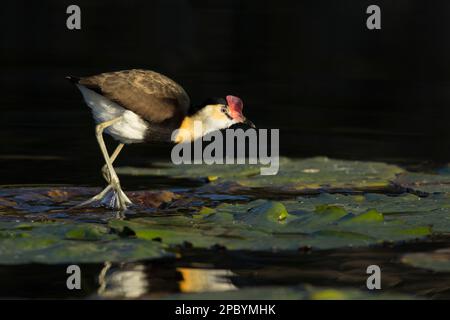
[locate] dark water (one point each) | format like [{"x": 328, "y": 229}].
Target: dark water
[
  {"x": 309, "y": 68},
  {"x": 200, "y": 271}
]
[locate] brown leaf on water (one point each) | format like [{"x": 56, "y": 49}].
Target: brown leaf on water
[
  {"x": 58, "y": 195},
  {"x": 152, "y": 199}
]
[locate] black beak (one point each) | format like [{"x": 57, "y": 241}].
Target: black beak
[{"x": 249, "y": 123}]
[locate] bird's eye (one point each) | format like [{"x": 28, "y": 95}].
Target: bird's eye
[{"x": 224, "y": 109}]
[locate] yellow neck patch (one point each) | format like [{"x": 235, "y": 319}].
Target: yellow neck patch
[{"x": 186, "y": 131}]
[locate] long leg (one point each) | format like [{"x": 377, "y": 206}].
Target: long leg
[
  {"x": 112, "y": 158},
  {"x": 116, "y": 152},
  {"x": 99, "y": 134},
  {"x": 122, "y": 199},
  {"x": 106, "y": 175},
  {"x": 119, "y": 198},
  {"x": 102, "y": 278}
]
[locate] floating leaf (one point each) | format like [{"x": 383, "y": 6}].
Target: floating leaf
[
  {"x": 204, "y": 211},
  {"x": 271, "y": 212},
  {"x": 90, "y": 232},
  {"x": 424, "y": 182},
  {"x": 270, "y": 225},
  {"x": 60, "y": 243},
  {"x": 51, "y": 251},
  {"x": 371, "y": 215},
  {"x": 203, "y": 219},
  {"x": 293, "y": 176}
]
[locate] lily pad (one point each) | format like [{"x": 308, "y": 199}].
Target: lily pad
[
  {"x": 321, "y": 220},
  {"x": 424, "y": 182},
  {"x": 48, "y": 251},
  {"x": 409, "y": 209},
  {"x": 389, "y": 205},
  {"x": 268, "y": 225},
  {"x": 53, "y": 243},
  {"x": 295, "y": 175}
]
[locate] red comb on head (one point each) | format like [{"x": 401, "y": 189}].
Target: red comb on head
[{"x": 235, "y": 103}]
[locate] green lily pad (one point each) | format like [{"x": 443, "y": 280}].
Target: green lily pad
[
  {"x": 325, "y": 221},
  {"x": 424, "y": 182},
  {"x": 58, "y": 230},
  {"x": 204, "y": 211},
  {"x": 88, "y": 232},
  {"x": 412, "y": 210},
  {"x": 269, "y": 225},
  {"x": 53, "y": 243},
  {"x": 371, "y": 215},
  {"x": 389, "y": 205},
  {"x": 322, "y": 221},
  {"x": 176, "y": 231},
  {"x": 324, "y": 173},
  {"x": 49, "y": 251},
  {"x": 211, "y": 172}
]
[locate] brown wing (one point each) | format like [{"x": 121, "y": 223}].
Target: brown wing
[{"x": 154, "y": 97}]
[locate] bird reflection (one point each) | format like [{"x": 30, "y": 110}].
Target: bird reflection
[
  {"x": 126, "y": 281},
  {"x": 201, "y": 280},
  {"x": 136, "y": 280}
]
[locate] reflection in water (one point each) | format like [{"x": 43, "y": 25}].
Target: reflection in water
[
  {"x": 128, "y": 281},
  {"x": 139, "y": 280},
  {"x": 201, "y": 280},
  {"x": 199, "y": 271}
]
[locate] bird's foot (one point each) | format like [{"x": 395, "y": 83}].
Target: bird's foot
[
  {"x": 111, "y": 197},
  {"x": 116, "y": 199}
]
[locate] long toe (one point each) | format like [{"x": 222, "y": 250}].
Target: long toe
[
  {"x": 116, "y": 199},
  {"x": 124, "y": 197},
  {"x": 95, "y": 201}
]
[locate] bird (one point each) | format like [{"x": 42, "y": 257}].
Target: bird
[{"x": 142, "y": 106}]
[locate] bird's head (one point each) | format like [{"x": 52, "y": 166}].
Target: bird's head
[
  {"x": 213, "y": 114},
  {"x": 219, "y": 113}
]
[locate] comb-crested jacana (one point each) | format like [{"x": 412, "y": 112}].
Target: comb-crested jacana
[{"x": 135, "y": 106}]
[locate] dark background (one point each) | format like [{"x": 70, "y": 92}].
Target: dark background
[{"x": 310, "y": 68}]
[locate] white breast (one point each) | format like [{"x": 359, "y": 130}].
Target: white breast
[{"x": 130, "y": 129}]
